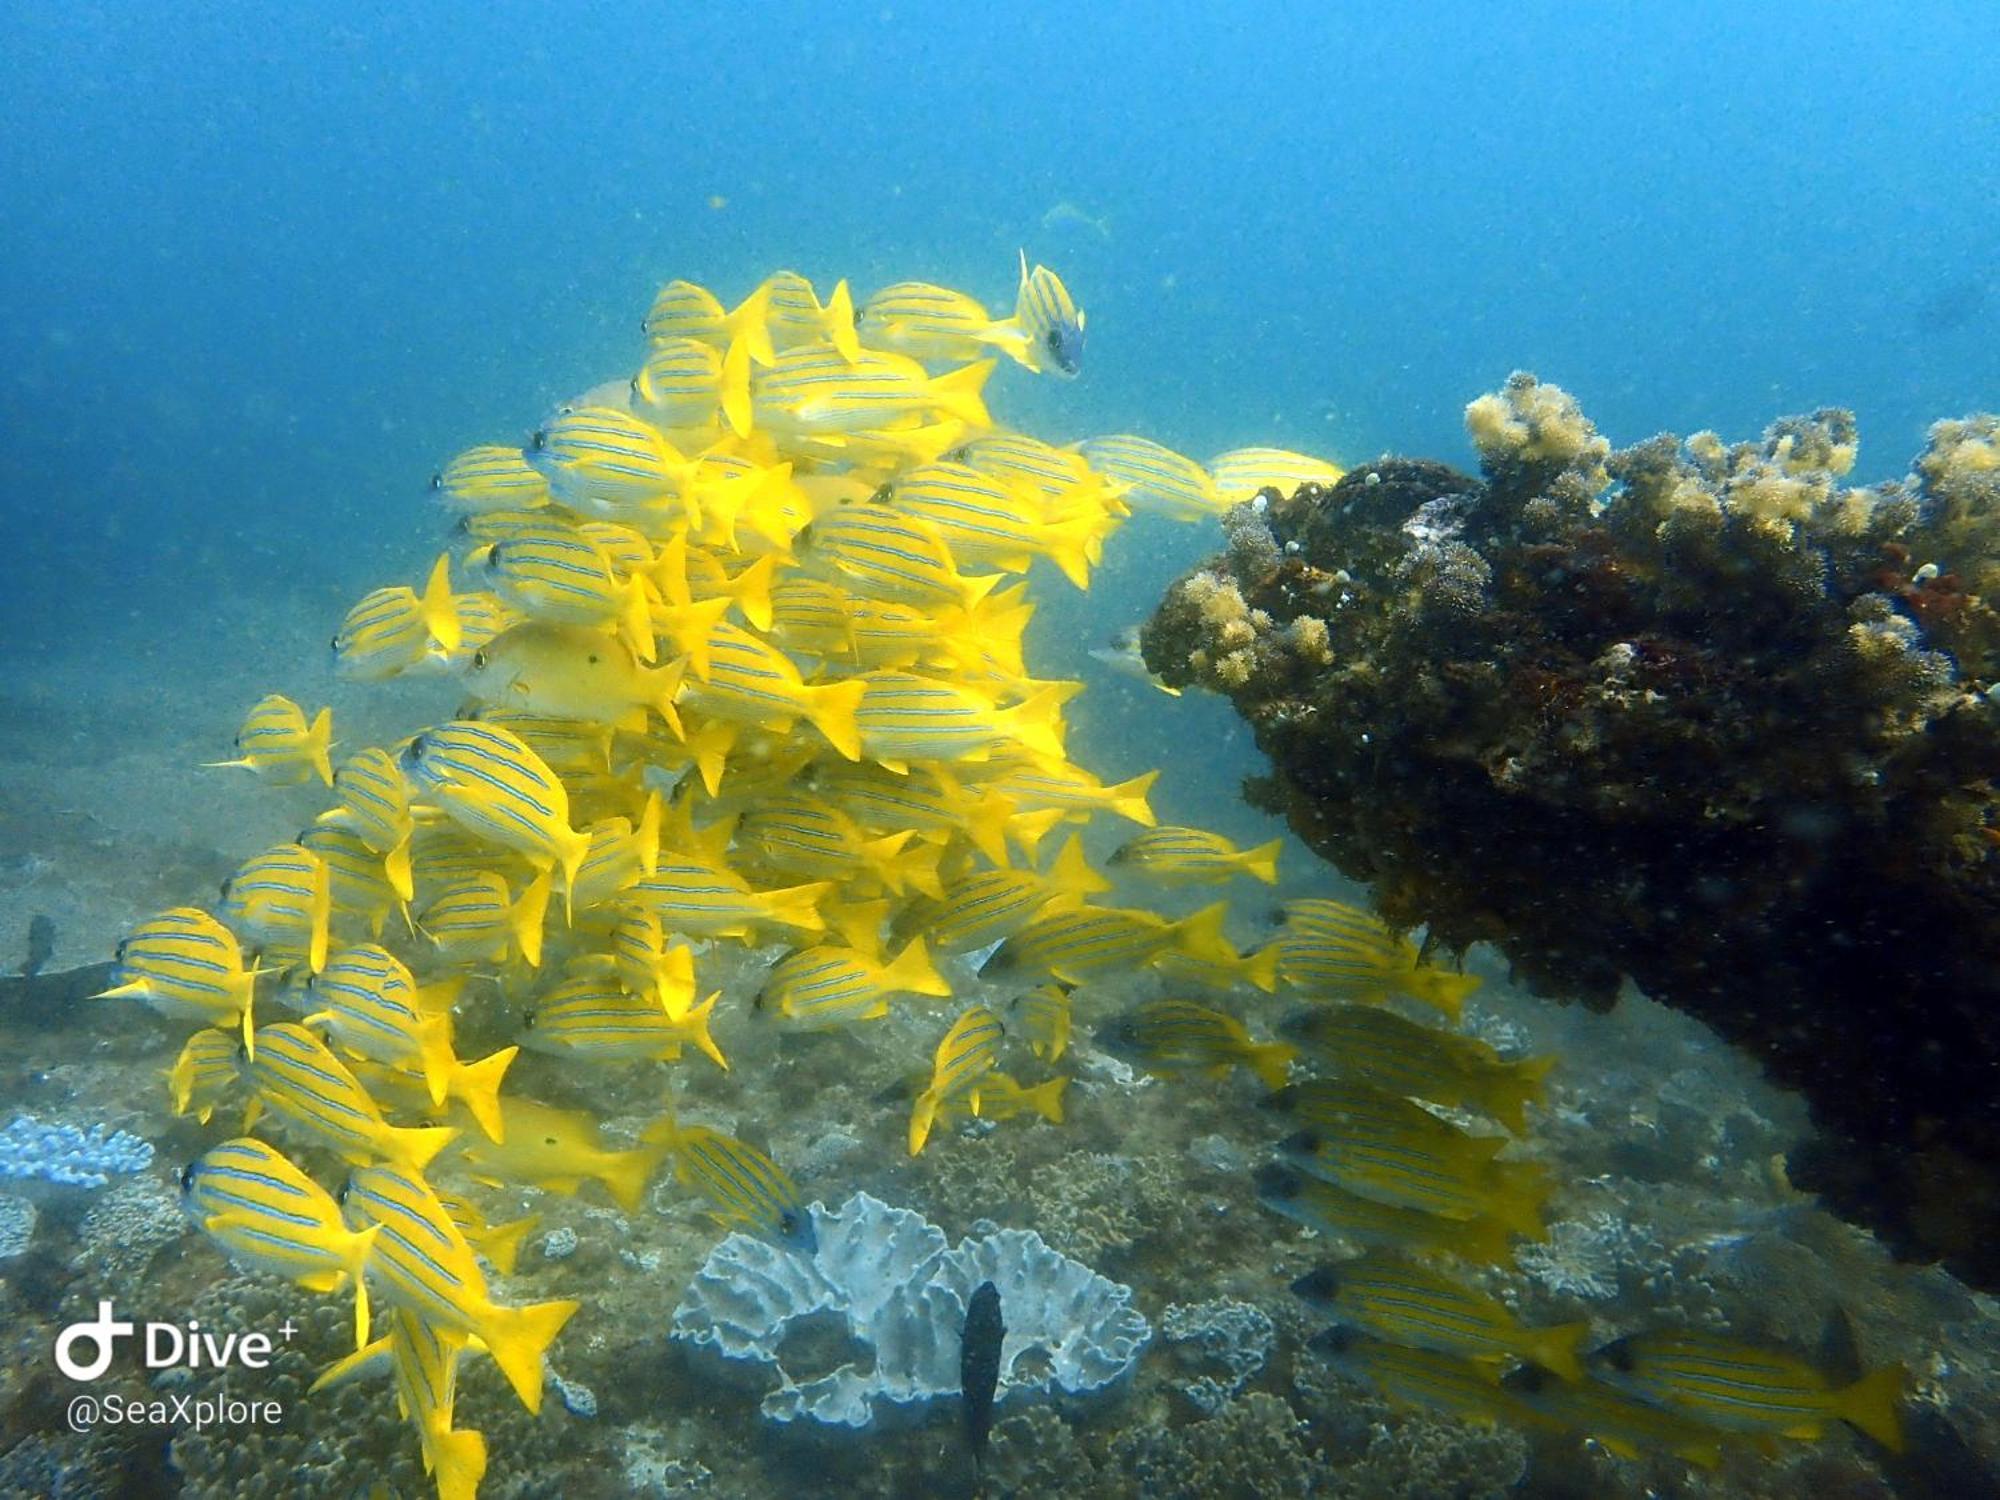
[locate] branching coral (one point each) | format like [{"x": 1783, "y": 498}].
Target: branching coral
[{"x": 1701, "y": 714}]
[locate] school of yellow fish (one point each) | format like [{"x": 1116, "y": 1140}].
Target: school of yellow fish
[{"x": 742, "y": 639}]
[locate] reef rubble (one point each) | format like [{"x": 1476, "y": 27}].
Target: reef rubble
[{"x": 1694, "y": 714}]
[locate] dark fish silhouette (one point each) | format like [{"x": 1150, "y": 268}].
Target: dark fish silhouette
[
  {"x": 979, "y": 1364},
  {"x": 41, "y": 944}
]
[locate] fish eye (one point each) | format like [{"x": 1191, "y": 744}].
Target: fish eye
[
  {"x": 539, "y": 441},
  {"x": 528, "y": 1021},
  {"x": 187, "y": 1177},
  {"x": 223, "y": 890},
  {"x": 479, "y": 661},
  {"x": 591, "y": 660},
  {"x": 437, "y": 481},
  {"x": 341, "y": 1196},
  {"x": 334, "y": 643}
]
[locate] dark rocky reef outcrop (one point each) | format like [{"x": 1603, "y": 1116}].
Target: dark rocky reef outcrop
[{"x": 1692, "y": 713}]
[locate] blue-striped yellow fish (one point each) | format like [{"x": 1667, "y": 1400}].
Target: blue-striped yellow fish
[
  {"x": 1147, "y": 476},
  {"x": 689, "y": 382},
  {"x": 1194, "y": 856},
  {"x": 745, "y": 1189},
  {"x": 1050, "y": 322},
  {"x": 382, "y": 636},
  {"x": 1456, "y": 1181},
  {"x": 1727, "y": 1383},
  {"x": 555, "y": 572},
  {"x": 477, "y": 920},
  {"x": 608, "y": 463},
  {"x": 423, "y": 1264},
  {"x": 1077, "y": 944},
  {"x": 357, "y": 879},
  {"x": 1002, "y": 1097},
  {"x": 934, "y": 323},
  {"x": 932, "y": 804},
  {"x": 986, "y": 906},
  {"x": 1345, "y": 1109},
  {"x": 1379, "y": 1047},
  {"x": 815, "y": 389},
  {"x": 884, "y": 553},
  {"x": 1329, "y": 948},
  {"x": 750, "y": 682},
  {"x": 650, "y": 965},
  {"x": 589, "y": 1016},
  {"x": 1242, "y": 474},
  {"x": 375, "y": 803},
  {"x": 403, "y": 1086},
  {"x": 984, "y": 521},
  {"x": 282, "y": 899},
  {"x": 1045, "y": 1020},
  {"x": 827, "y": 985},
  {"x": 1060, "y": 476},
  {"x": 1463, "y": 1389},
  {"x": 499, "y": 1245},
  {"x": 279, "y": 745},
  {"x": 421, "y": 1358},
  {"x": 700, "y": 898},
  {"x": 560, "y": 1150},
  {"x": 205, "y": 1073},
  {"x": 688, "y": 575},
  {"x": 801, "y": 834},
  {"x": 298, "y": 1079},
  {"x": 1370, "y": 1222},
  {"x": 966, "y": 1055},
  {"x": 1171, "y": 1036},
  {"x": 267, "y": 1214},
  {"x": 495, "y": 787},
  {"x": 1037, "y": 782},
  {"x": 683, "y": 310},
  {"x": 903, "y": 717},
  {"x": 1625, "y": 1426},
  {"x": 1411, "y": 1304},
  {"x": 785, "y": 313},
  {"x": 187, "y": 966},
  {"x": 490, "y": 477}
]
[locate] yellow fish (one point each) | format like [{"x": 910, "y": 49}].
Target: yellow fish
[
  {"x": 1078, "y": 944},
  {"x": 267, "y": 1214},
  {"x": 589, "y": 1016},
  {"x": 744, "y": 1187},
  {"x": 983, "y": 521},
  {"x": 934, "y": 323},
  {"x": 283, "y": 899},
  {"x": 304, "y": 1084},
  {"x": 1045, "y": 1020},
  {"x": 902, "y": 718},
  {"x": 830, "y": 986},
  {"x": 279, "y": 745},
  {"x": 1462, "y": 1181},
  {"x": 785, "y": 313},
  {"x": 982, "y": 908},
  {"x": 1463, "y": 1389},
  {"x": 1368, "y": 1221},
  {"x": 424, "y": 1265},
  {"x": 555, "y": 572},
  {"x": 1194, "y": 856},
  {"x": 572, "y": 672},
  {"x": 1378, "y": 1047},
  {"x": 187, "y": 966},
  {"x": 1148, "y": 477},
  {"x": 204, "y": 1074},
  {"x": 1242, "y": 474},
  {"x": 490, "y": 477},
  {"x": 375, "y": 803},
  {"x": 965, "y": 1056},
  {"x": 1050, "y": 323},
  {"x": 1330, "y": 948},
  {"x": 561, "y": 1150},
  {"x": 886, "y": 554},
  {"x": 1174, "y": 1035},
  {"x": 498, "y": 1244},
  {"x": 477, "y": 920},
  {"x": 751, "y": 683}
]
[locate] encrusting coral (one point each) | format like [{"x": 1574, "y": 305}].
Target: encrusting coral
[{"x": 1696, "y": 713}]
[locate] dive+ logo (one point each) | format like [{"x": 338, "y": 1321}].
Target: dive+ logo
[{"x": 165, "y": 1345}]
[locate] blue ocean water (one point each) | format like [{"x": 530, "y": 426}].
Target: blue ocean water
[{"x": 268, "y": 267}]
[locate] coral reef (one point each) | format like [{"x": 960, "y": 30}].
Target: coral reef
[
  {"x": 885, "y": 1278},
  {"x": 1234, "y": 1336},
  {"x": 68, "y": 1154},
  {"x": 1695, "y": 713}
]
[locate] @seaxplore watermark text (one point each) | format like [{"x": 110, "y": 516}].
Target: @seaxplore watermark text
[{"x": 87, "y": 1412}]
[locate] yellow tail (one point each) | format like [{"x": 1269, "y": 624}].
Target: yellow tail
[
  {"x": 526, "y": 916},
  {"x": 414, "y": 1146},
  {"x": 646, "y": 836},
  {"x": 957, "y": 393},
  {"x": 322, "y": 913},
  {"x": 1271, "y": 1062},
  {"x": 1555, "y": 1348},
  {"x": 517, "y": 1337},
  {"x": 1200, "y": 935},
  {"x": 751, "y": 589},
  {"x": 396, "y": 866},
  {"x": 1262, "y": 862},
  {"x": 1067, "y": 544},
  {"x": 1870, "y": 1404},
  {"x": 696, "y": 1024},
  {"x": 1128, "y": 799},
  {"x": 840, "y": 330},
  {"x": 736, "y": 387},
  {"x": 911, "y": 970},
  {"x": 319, "y": 746},
  {"x": 922, "y": 1115},
  {"x": 435, "y": 1057},
  {"x": 626, "y": 1173},
  {"x": 797, "y": 906},
  {"x": 831, "y": 708},
  {"x": 458, "y": 1463},
  {"x": 1037, "y": 723},
  {"x": 1071, "y": 873},
  {"x": 359, "y": 1246},
  {"x": 501, "y": 1244},
  {"x": 572, "y": 848},
  {"x": 437, "y": 607},
  {"x": 477, "y": 1086},
  {"x": 1046, "y": 1099},
  {"x": 985, "y": 823},
  {"x": 1441, "y": 989}
]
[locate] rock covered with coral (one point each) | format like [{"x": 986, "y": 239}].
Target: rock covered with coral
[
  {"x": 1696, "y": 713},
  {"x": 885, "y": 1275}
]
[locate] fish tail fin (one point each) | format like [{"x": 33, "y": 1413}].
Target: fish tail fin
[
  {"x": 1028, "y": 829},
  {"x": 912, "y": 970},
  {"x": 1068, "y": 545},
  {"x": 797, "y": 906},
  {"x": 526, "y": 916},
  {"x": 692, "y": 627},
  {"x": 1521, "y": 1087},
  {"x": 1261, "y": 967},
  {"x": 477, "y": 1085},
  {"x": 355, "y": 1259},
  {"x": 635, "y": 618},
  {"x": 1441, "y": 989},
  {"x": 1262, "y": 861},
  {"x": 831, "y": 708},
  {"x": 985, "y": 823},
  {"x": 1870, "y": 1404},
  {"x": 460, "y": 1463},
  {"x": 396, "y": 868},
  {"x": 923, "y": 1114},
  {"x": 839, "y": 320},
  {"x": 956, "y": 393},
  {"x": 434, "y": 1055},
  {"x": 696, "y": 1021},
  {"x": 1128, "y": 799},
  {"x": 626, "y": 1173},
  {"x": 1010, "y": 338},
  {"x": 1047, "y": 1098},
  {"x": 318, "y": 747},
  {"x": 1272, "y": 1063},
  {"x": 321, "y": 911},
  {"x": 1485, "y": 1241},
  {"x": 503, "y": 1242},
  {"x": 749, "y": 323},
  {"x": 1556, "y": 1348},
  {"x": 917, "y": 867},
  {"x": 517, "y": 1338},
  {"x": 438, "y": 608},
  {"x": 880, "y": 856},
  {"x": 1200, "y": 935},
  {"x": 1070, "y": 872},
  {"x": 646, "y": 834},
  {"x": 1519, "y": 1205},
  {"x": 415, "y": 1145},
  {"x": 1037, "y": 722},
  {"x": 369, "y": 1357},
  {"x": 572, "y": 848},
  {"x": 736, "y": 409},
  {"x": 751, "y": 589}
]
